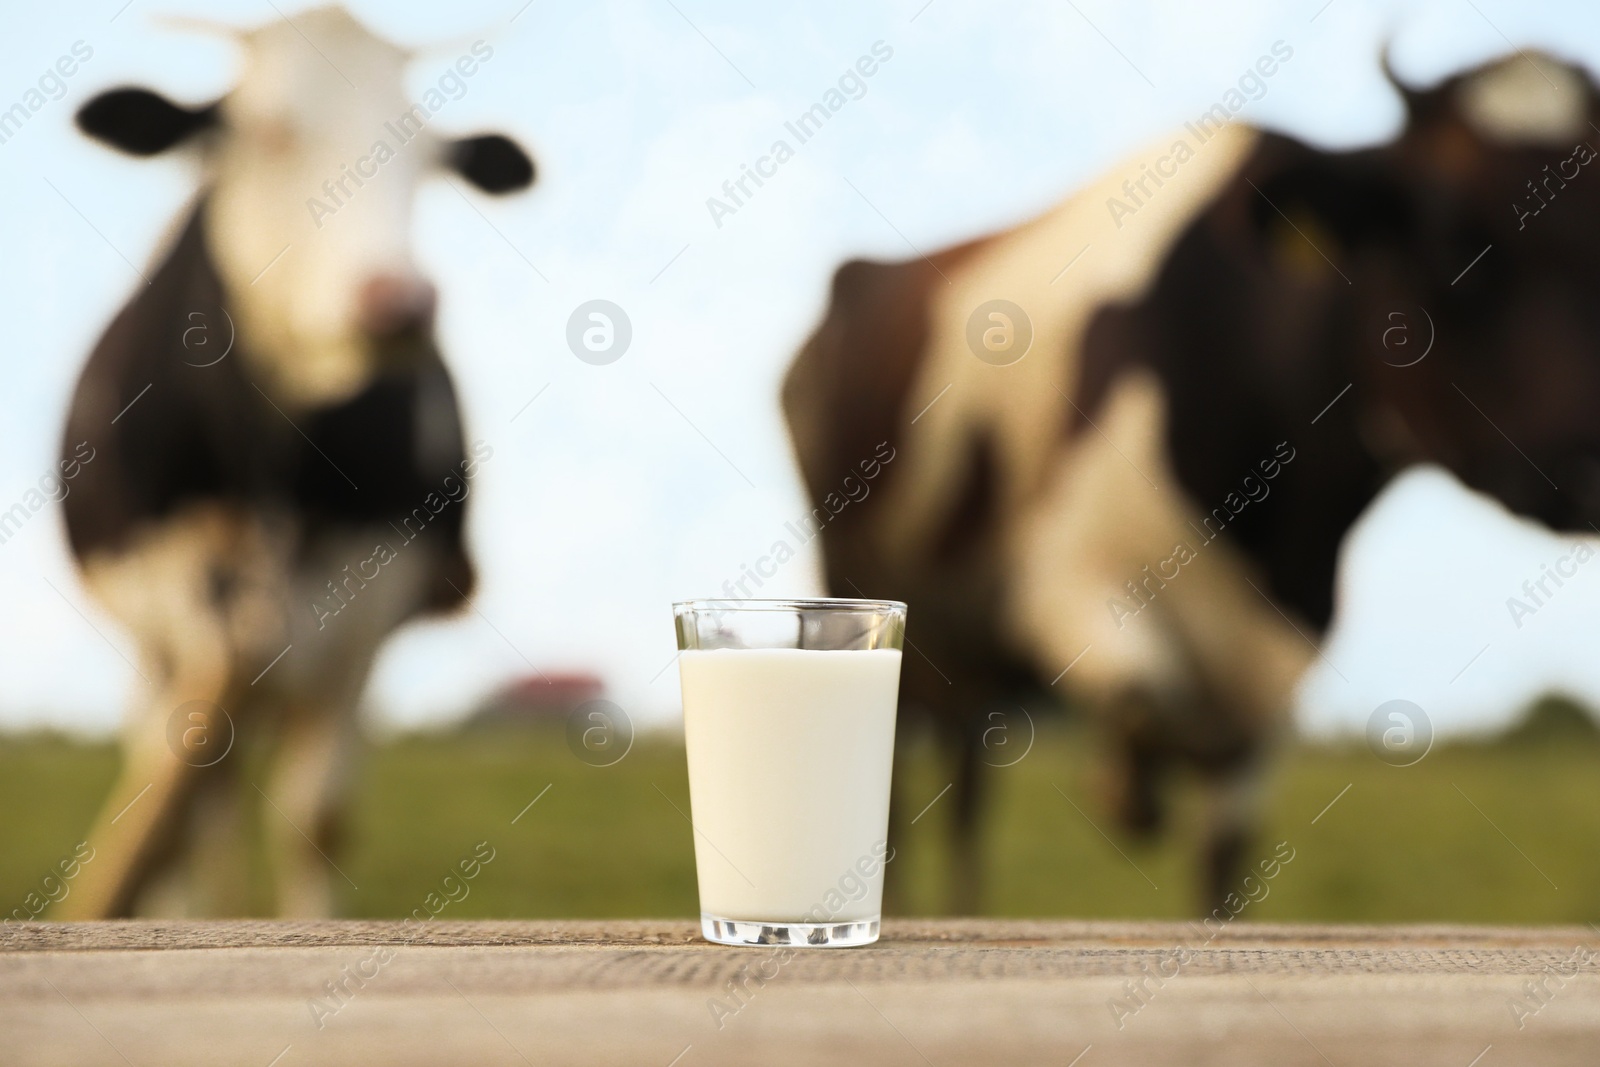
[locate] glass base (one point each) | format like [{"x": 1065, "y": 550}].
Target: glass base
[{"x": 801, "y": 935}]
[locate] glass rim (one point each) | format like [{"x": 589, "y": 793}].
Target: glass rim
[{"x": 794, "y": 604}]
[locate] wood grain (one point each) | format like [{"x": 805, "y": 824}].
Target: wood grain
[{"x": 935, "y": 992}]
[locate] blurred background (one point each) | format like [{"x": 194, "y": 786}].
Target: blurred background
[{"x": 615, "y": 489}]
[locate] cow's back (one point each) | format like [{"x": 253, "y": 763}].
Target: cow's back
[
  {"x": 1006, "y": 521},
  {"x": 1060, "y": 269}
]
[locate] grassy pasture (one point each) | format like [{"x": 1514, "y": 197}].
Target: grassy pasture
[{"x": 1503, "y": 832}]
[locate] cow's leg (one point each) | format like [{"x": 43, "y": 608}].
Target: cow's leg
[
  {"x": 896, "y": 900},
  {"x": 957, "y": 753},
  {"x": 321, "y": 682},
  {"x": 1137, "y": 762},
  {"x": 967, "y": 795},
  {"x": 174, "y": 589},
  {"x": 303, "y": 807},
  {"x": 1232, "y": 817},
  {"x": 218, "y": 860},
  {"x": 141, "y": 827}
]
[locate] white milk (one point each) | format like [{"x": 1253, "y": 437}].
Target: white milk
[{"x": 789, "y": 759}]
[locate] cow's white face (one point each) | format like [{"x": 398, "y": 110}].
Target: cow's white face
[
  {"x": 314, "y": 161},
  {"x": 292, "y": 137}
]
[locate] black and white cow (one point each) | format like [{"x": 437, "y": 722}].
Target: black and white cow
[
  {"x": 279, "y": 470},
  {"x": 1143, "y": 502}
]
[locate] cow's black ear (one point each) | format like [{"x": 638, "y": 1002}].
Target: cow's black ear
[
  {"x": 493, "y": 163},
  {"x": 140, "y": 122}
]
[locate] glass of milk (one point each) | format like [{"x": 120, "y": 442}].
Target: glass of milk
[{"x": 788, "y": 715}]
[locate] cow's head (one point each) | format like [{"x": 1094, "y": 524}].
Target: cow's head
[
  {"x": 1474, "y": 231},
  {"x": 313, "y": 161}
]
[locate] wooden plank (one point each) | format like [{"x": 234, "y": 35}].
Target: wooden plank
[{"x": 938, "y": 992}]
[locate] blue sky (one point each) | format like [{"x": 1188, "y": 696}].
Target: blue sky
[{"x": 626, "y": 486}]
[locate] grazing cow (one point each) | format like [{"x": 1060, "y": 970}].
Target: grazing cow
[
  {"x": 278, "y": 472},
  {"x": 1225, "y": 349}
]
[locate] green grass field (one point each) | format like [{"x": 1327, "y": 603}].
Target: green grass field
[{"x": 1480, "y": 833}]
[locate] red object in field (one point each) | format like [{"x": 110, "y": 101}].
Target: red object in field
[{"x": 540, "y": 697}]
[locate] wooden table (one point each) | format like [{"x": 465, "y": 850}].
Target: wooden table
[{"x": 940, "y": 993}]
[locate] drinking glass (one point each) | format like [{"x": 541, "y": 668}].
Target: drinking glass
[{"x": 788, "y": 714}]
